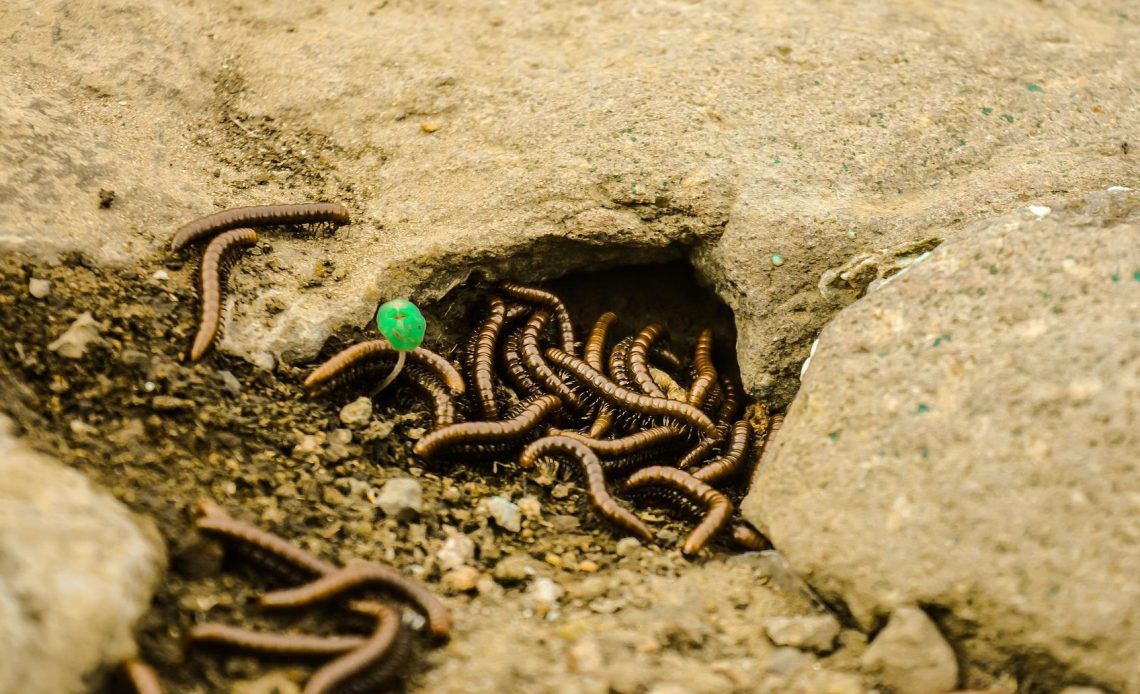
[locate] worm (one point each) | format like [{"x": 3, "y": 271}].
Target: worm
[
  {"x": 623, "y": 397},
  {"x": 271, "y": 643},
  {"x": 345, "y": 365},
  {"x": 590, "y": 469},
  {"x": 550, "y": 301},
  {"x": 733, "y": 460},
  {"x": 257, "y": 216},
  {"x": 706, "y": 372},
  {"x": 142, "y": 677},
  {"x": 337, "y": 675},
  {"x": 532, "y": 358},
  {"x": 516, "y": 370},
  {"x": 439, "y": 397},
  {"x": 481, "y": 359},
  {"x": 748, "y": 538},
  {"x": 533, "y": 412},
  {"x": 626, "y": 445},
  {"x": 717, "y": 506},
  {"x": 638, "y": 358},
  {"x": 596, "y": 343},
  {"x": 349, "y": 578},
  {"x": 215, "y": 261}
]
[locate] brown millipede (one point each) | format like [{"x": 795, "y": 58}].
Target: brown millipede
[
  {"x": 706, "y": 372},
  {"x": 595, "y": 346},
  {"x": 528, "y": 418},
  {"x": 700, "y": 451},
  {"x": 340, "y": 674},
  {"x": 265, "y": 548},
  {"x": 549, "y": 300},
  {"x": 638, "y": 402},
  {"x": 343, "y": 366},
  {"x": 538, "y": 368},
  {"x": 439, "y": 397},
  {"x": 590, "y": 470},
  {"x": 603, "y": 421},
  {"x": 748, "y": 538},
  {"x": 257, "y": 216},
  {"x": 516, "y": 370},
  {"x": 638, "y": 359},
  {"x": 732, "y": 461},
  {"x": 272, "y": 643},
  {"x": 717, "y": 506},
  {"x": 481, "y": 359},
  {"x": 343, "y": 580},
  {"x": 626, "y": 445},
  {"x": 212, "y": 272},
  {"x": 142, "y": 677}
]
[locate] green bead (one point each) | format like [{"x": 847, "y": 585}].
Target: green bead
[{"x": 402, "y": 323}]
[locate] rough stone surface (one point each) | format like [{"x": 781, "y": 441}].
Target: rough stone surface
[
  {"x": 815, "y": 633},
  {"x": 74, "y": 341},
  {"x": 357, "y": 413},
  {"x": 966, "y": 438},
  {"x": 910, "y": 656},
  {"x": 76, "y": 573},
  {"x": 565, "y": 136},
  {"x": 505, "y": 513},
  {"x": 401, "y": 498}
]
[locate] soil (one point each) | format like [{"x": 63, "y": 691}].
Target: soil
[{"x": 161, "y": 434}]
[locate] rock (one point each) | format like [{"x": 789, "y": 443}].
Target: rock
[
  {"x": 910, "y": 656},
  {"x": 169, "y": 403},
  {"x": 513, "y": 569},
  {"x": 401, "y": 498},
  {"x": 530, "y": 507},
  {"x": 505, "y": 513},
  {"x": 974, "y": 426},
  {"x": 39, "y": 289},
  {"x": 586, "y": 656},
  {"x": 357, "y": 413},
  {"x": 814, "y": 633},
  {"x": 785, "y": 661},
  {"x": 457, "y": 550},
  {"x": 73, "y": 343},
  {"x": 77, "y": 573},
  {"x": 543, "y": 595},
  {"x": 461, "y": 579},
  {"x": 627, "y": 546}
]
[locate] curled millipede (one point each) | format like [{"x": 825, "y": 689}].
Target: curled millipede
[
  {"x": 619, "y": 365},
  {"x": 516, "y": 370},
  {"x": 638, "y": 358},
  {"x": 257, "y": 216},
  {"x": 537, "y": 366},
  {"x": 700, "y": 451},
  {"x": 706, "y": 372},
  {"x": 215, "y": 260},
  {"x": 626, "y": 445},
  {"x": 590, "y": 470},
  {"x": 481, "y": 360},
  {"x": 622, "y": 397},
  {"x": 551, "y": 302},
  {"x": 748, "y": 538},
  {"x": 733, "y": 460},
  {"x": 717, "y": 506},
  {"x": 508, "y": 430},
  {"x": 272, "y": 643},
  {"x": 440, "y": 398},
  {"x": 340, "y": 674},
  {"x": 347, "y": 364},
  {"x": 343, "y": 580},
  {"x": 595, "y": 346},
  {"x": 378, "y": 672}
]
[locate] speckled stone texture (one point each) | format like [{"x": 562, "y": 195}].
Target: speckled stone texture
[
  {"x": 76, "y": 572},
  {"x": 966, "y": 439}
]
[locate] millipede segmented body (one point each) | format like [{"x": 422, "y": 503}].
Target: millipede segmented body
[
  {"x": 347, "y": 364},
  {"x": 706, "y": 372},
  {"x": 271, "y": 643},
  {"x": 537, "y": 367},
  {"x": 257, "y": 216},
  {"x": 215, "y": 261},
  {"x": 717, "y": 506},
  {"x": 551, "y": 302},
  {"x": 733, "y": 461},
  {"x": 594, "y": 350},
  {"x": 638, "y": 359},
  {"x": 629, "y": 444},
  {"x": 516, "y": 372},
  {"x": 341, "y": 581},
  {"x": 589, "y": 468},
  {"x": 638, "y": 402},
  {"x": 505, "y": 431},
  {"x": 437, "y": 395},
  {"x": 142, "y": 677},
  {"x": 339, "y": 674},
  {"x": 481, "y": 359},
  {"x": 748, "y": 538}
]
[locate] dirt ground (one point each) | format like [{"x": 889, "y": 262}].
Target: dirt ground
[{"x": 161, "y": 434}]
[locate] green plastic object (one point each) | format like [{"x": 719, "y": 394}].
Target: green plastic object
[{"x": 402, "y": 323}]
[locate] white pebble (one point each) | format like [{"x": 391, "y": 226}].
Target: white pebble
[
  {"x": 39, "y": 288},
  {"x": 83, "y": 332},
  {"x": 457, "y": 550},
  {"x": 505, "y": 513},
  {"x": 627, "y": 546},
  {"x": 401, "y": 498},
  {"x": 357, "y": 413}
]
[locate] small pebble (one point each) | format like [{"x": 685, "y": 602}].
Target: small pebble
[
  {"x": 357, "y": 413},
  {"x": 505, "y": 513},
  {"x": 169, "y": 403},
  {"x": 230, "y": 382},
  {"x": 813, "y": 633},
  {"x": 457, "y": 550},
  {"x": 401, "y": 498},
  {"x": 530, "y": 507},
  {"x": 588, "y": 567},
  {"x": 586, "y": 657},
  {"x": 560, "y": 491},
  {"x": 627, "y": 546},
  {"x": 73, "y": 343},
  {"x": 429, "y": 126},
  {"x": 39, "y": 288},
  {"x": 513, "y": 569},
  {"x": 784, "y": 661},
  {"x": 461, "y": 579},
  {"x": 161, "y": 275}
]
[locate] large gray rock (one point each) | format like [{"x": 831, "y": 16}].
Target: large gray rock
[
  {"x": 966, "y": 439},
  {"x": 76, "y": 572},
  {"x": 532, "y": 141}
]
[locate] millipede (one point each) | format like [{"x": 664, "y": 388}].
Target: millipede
[
  {"x": 732, "y": 461},
  {"x": 706, "y": 371},
  {"x": 348, "y": 364},
  {"x": 257, "y": 216},
  {"x": 341, "y": 675},
  {"x": 537, "y": 366},
  {"x": 215, "y": 262},
  {"x": 594, "y": 349},
  {"x": 505, "y": 431},
  {"x": 718, "y": 508},
  {"x": 516, "y": 371},
  {"x": 626, "y": 445},
  {"x": 549, "y": 300},
  {"x": 638, "y": 359},
  {"x": 481, "y": 358},
  {"x": 271, "y": 643}
]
